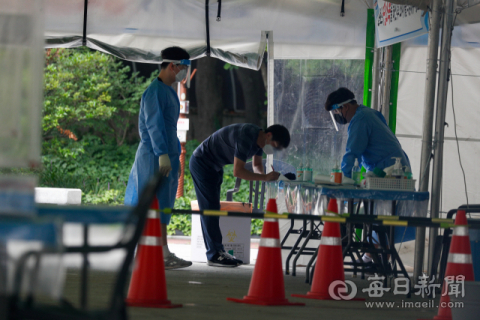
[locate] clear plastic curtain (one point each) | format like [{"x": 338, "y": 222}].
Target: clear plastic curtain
[
  {"x": 301, "y": 89},
  {"x": 21, "y": 42}
]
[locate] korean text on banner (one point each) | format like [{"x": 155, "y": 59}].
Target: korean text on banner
[{"x": 397, "y": 23}]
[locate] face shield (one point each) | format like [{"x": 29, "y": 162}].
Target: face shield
[
  {"x": 336, "y": 107},
  {"x": 184, "y": 62}
]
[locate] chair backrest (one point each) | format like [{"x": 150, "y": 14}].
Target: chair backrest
[{"x": 257, "y": 190}]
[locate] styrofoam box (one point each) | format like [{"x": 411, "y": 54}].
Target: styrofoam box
[{"x": 236, "y": 238}]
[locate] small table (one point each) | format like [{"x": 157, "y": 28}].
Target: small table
[{"x": 307, "y": 198}]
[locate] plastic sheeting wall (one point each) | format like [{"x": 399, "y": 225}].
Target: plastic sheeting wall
[
  {"x": 21, "y": 56},
  {"x": 466, "y": 96},
  {"x": 301, "y": 88}
]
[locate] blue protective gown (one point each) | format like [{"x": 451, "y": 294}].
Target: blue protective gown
[
  {"x": 157, "y": 124},
  {"x": 371, "y": 141}
]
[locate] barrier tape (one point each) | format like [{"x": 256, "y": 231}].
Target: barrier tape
[{"x": 345, "y": 218}]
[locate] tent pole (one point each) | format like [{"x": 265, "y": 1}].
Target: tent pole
[
  {"x": 369, "y": 58},
  {"x": 375, "y": 77},
  {"x": 387, "y": 81},
  {"x": 85, "y": 15},
  {"x": 429, "y": 107},
  {"x": 270, "y": 96},
  {"x": 442, "y": 95},
  {"x": 395, "y": 76}
]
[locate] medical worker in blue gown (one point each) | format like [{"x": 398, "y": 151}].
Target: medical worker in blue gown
[
  {"x": 370, "y": 140},
  {"x": 159, "y": 148}
]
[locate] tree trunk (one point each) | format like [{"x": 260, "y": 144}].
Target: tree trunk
[
  {"x": 208, "y": 91},
  {"x": 253, "y": 94}
]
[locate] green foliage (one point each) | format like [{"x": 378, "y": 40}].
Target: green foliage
[
  {"x": 228, "y": 66},
  {"x": 94, "y": 97},
  {"x": 87, "y": 91},
  {"x": 182, "y": 223}
]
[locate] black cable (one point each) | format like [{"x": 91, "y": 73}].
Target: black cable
[
  {"x": 342, "y": 11},
  {"x": 207, "y": 25},
  {"x": 455, "y": 130},
  {"x": 219, "y": 11},
  {"x": 85, "y": 10}
]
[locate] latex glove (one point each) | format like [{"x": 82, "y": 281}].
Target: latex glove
[{"x": 164, "y": 164}]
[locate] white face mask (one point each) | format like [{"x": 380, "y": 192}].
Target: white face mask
[
  {"x": 268, "y": 149},
  {"x": 181, "y": 75}
]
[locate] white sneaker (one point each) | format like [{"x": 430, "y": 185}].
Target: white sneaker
[{"x": 174, "y": 262}]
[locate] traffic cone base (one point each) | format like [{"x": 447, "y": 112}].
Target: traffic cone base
[
  {"x": 267, "y": 287},
  {"x": 166, "y": 304},
  {"x": 266, "y": 302},
  {"x": 311, "y": 295},
  {"x": 148, "y": 287}
]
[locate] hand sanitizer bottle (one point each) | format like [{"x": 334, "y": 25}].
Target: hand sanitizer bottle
[
  {"x": 397, "y": 169},
  {"x": 300, "y": 172},
  {"x": 356, "y": 174},
  {"x": 408, "y": 173},
  {"x": 307, "y": 173}
]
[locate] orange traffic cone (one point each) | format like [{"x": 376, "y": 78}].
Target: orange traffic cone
[
  {"x": 329, "y": 266},
  {"x": 148, "y": 287},
  {"x": 267, "y": 287},
  {"x": 459, "y": 263}
]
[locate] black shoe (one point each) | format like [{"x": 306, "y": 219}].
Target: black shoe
[
  {"x": 239, "y": 262},
  {"x": 222, "y": 259}
]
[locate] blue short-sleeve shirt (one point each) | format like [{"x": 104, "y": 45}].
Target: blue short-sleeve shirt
[{"x": 233, "y": 141}]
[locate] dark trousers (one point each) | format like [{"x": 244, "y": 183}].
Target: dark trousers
[{"x": 207, "y": 182}]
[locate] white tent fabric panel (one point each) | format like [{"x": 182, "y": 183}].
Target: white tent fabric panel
[
  {"x": 138, "y": 30},
  {"x": 466, "y": 93},
  {"x": 63, "y": 23}
]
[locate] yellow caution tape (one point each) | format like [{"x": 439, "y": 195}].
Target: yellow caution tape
[
  {"x": 395, "y": 223},
  {"x": 275, "y": 216},
  {"x": 166, "y": 210},
  {"x": 333, "y": 219},
  {"x": 447, "y": 225},
  {"x": 215, "y": 213},
  {"x": 441, "y": 220},
  {"x": 382, "y": 217}
]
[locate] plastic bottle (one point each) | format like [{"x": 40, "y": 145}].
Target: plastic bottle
[
  {"x": 408, "y": 173},
  {"x": 307, "y": 173},
  {"x": 356, "y": 174},
  {"x": 397, "y": 169},
  {"x": 300, "y": 172},
  {"x": 336, "y": 174}
]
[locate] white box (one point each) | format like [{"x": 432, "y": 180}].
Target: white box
[
  {"x": 183, "y": 124},
  {"x": 235, "y": 238},
  {"x": 58, "y": 195},
  {"x": 182, "y": 135}
]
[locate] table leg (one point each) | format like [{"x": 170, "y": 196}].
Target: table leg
[
  {"x": 309, "y": 235},
  {"x": 295, "y": 246}
]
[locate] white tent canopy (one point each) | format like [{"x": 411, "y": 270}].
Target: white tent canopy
[{"x": 137, "y": 30}]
